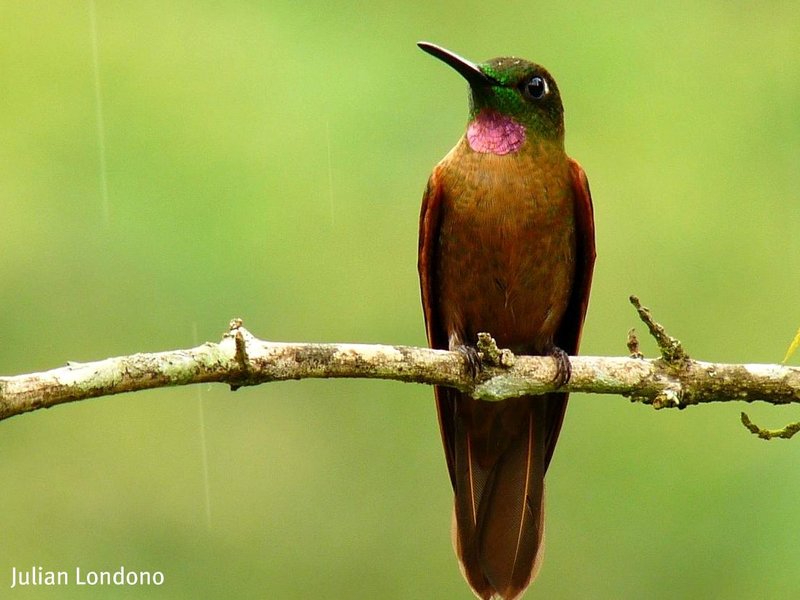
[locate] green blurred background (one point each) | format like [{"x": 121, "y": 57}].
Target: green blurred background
[{"x": 267, "y": 160}]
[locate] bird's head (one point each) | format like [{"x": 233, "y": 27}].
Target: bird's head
[{"x": 510, "y": 88}]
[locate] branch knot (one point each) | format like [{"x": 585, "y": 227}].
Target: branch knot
[
  {"x": 491, "y": 355},
  {"x": 238, "y": 332}
]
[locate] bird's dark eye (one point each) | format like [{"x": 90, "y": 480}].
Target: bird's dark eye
[{"x": 536, "y": 88}]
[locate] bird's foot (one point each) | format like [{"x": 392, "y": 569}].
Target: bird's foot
[
  {"x": 471, "y": 358},
  {"x": 563, "y": 366}
]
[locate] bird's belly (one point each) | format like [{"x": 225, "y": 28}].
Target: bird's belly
[{"x": 506, "y": 267}]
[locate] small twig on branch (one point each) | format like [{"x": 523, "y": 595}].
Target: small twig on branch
[
  {"x": 240, "y": 359},
  {"x": 769, "y": 434},
  {"x": 490, "y": 354},
  {"x": 672, "y": 351},
  {"x": 240, "y": 355},
  {"x": 633, "y": 344}
]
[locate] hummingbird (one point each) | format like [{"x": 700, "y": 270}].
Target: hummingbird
[{"x": 506, "y": 246}]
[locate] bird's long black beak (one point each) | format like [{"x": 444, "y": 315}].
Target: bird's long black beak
[{"x": 468, "y": 69}]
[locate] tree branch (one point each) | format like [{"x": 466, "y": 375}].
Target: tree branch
[{"x": 240, "y": 359}]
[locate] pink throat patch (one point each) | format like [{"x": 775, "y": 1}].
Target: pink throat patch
[{"x": 491, "y": 132}]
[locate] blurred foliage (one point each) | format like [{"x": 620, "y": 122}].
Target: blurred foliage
[{"x": 267, "y": 160}]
